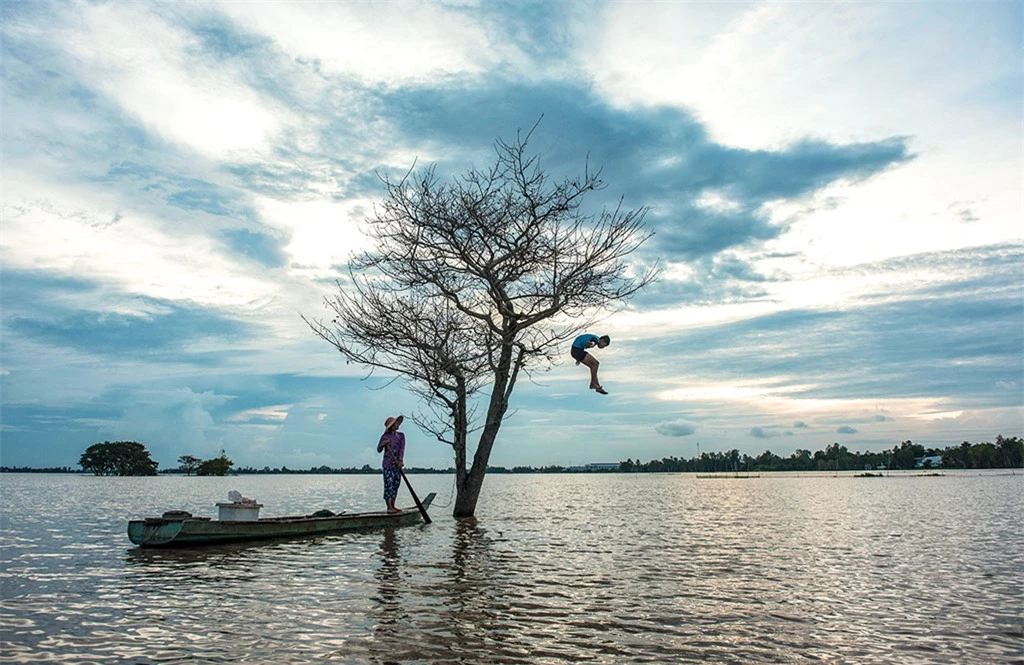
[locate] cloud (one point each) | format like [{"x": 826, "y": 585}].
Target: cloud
[
  {"x": 124, "y": 335},
  {"x": 768, "y": 432},
  {"x": 741, "y": 66},
  {"x": 152, "y": 73},
  {"x": 661, "y": 158},
  {"x": 263, "y": 248},
  {"x": 178, "y": 192},
  {"x": 675, "y": 428},
  {"x": 846, "y": 429},
  {"x": 913, "y": 332},
  {"x": 375, "y": 43}
]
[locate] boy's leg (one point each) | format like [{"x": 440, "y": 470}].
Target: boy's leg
[{"x": 591, "y": 362}]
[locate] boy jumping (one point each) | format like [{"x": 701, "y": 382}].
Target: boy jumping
[{"x": 580, "y": 355}]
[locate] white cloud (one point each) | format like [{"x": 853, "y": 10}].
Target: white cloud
[
  {"x": 903, "y": 212},
  {"x": 144, "y": 64},
  {"x": 274, "y": 413},
  {"x": 321, "y": 232},
  {"x": 764, "y": 75},
  {"x": 719, "y": 391},
  {"x": 394, "y": 43},
  {"x": 776, "y": 401},
  {"x": 81, "y": 234},
  {"x": 174, "y": 420},
  {"x": 717, "y": 201}
]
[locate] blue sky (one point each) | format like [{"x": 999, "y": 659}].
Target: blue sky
[{"x": 835, "y": 190}]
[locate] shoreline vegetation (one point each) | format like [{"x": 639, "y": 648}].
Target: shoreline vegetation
[{"x": 1005, "y": 453}]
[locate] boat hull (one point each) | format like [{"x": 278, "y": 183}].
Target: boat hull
[{"x": 193, "y": 531}]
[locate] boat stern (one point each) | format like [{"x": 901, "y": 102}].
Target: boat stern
[{"x": 154, "y": 530}]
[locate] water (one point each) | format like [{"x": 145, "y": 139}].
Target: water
[{"x": 556, "y": 568}]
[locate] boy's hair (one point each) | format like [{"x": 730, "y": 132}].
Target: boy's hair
[{"x": 606, "y": 339}]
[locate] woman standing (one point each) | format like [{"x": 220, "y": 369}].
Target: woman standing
[{"x": 392, "y": 443}]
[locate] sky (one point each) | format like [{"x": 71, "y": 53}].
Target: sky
[{"x": 834, "y": 188}]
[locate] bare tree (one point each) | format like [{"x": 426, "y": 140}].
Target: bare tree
[{"x": 477, "y": 281}]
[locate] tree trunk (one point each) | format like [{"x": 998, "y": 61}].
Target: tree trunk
[
  {"x": 469, "y": 484},
  {"x": 467, "y": 494}
]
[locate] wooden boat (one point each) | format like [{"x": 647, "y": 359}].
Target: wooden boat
[{"x": 181, "y": 529}]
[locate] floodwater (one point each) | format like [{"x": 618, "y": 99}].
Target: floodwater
[{"x": 644, "y": 568}]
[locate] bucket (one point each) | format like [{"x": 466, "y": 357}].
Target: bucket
[{"x": 238, "y": 512}]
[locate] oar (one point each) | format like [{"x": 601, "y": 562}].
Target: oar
[{"x": 423, "y": 511}]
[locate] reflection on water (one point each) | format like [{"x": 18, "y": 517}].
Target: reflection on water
[
  {"x": 605, "y": 569},
  {"x": 455, "y": 604}
]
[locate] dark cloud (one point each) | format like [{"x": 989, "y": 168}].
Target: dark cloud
[
  {"x": 676, "y": 428},
  {"x": 959, "y": 338},
  {"x": 172, "y": 194},
  {"x": 846, "y": 429},
  {"x": 539, "y": 29},
  {"x": 26, "y": 288},
  {"x": 165, "y": 330},
  {"x": 967, "y": 216},
  {"x": 198, "y": 195},
  {"x": 732, "y": 267},
  {"x": 724, "y": 278},
  {"x": 660, "y": 158},
  {"x": 262, "y": 248},
  {"x": 220, "y": 39},
  {"x": 768, "y": 432},
  {"x": 804, "y": 167},
  {"x": 123, "y": 335},
  {"x": 284, "y": 181},
  {"x": 686, "y": 232}
]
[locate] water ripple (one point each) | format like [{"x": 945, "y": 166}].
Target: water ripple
[{"x": 557, "y": 569}]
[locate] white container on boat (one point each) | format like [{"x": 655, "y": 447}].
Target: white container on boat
[{"x": 237, "y": 511}]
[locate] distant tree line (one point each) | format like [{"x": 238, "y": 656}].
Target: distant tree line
[
  {"x": 1005, "y": 453},
  {"x": 130, "y": 458}
]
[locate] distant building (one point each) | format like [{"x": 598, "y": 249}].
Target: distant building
[
  {"x": 603, "y": 466},
  {"x": 928, "y": 462}
]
